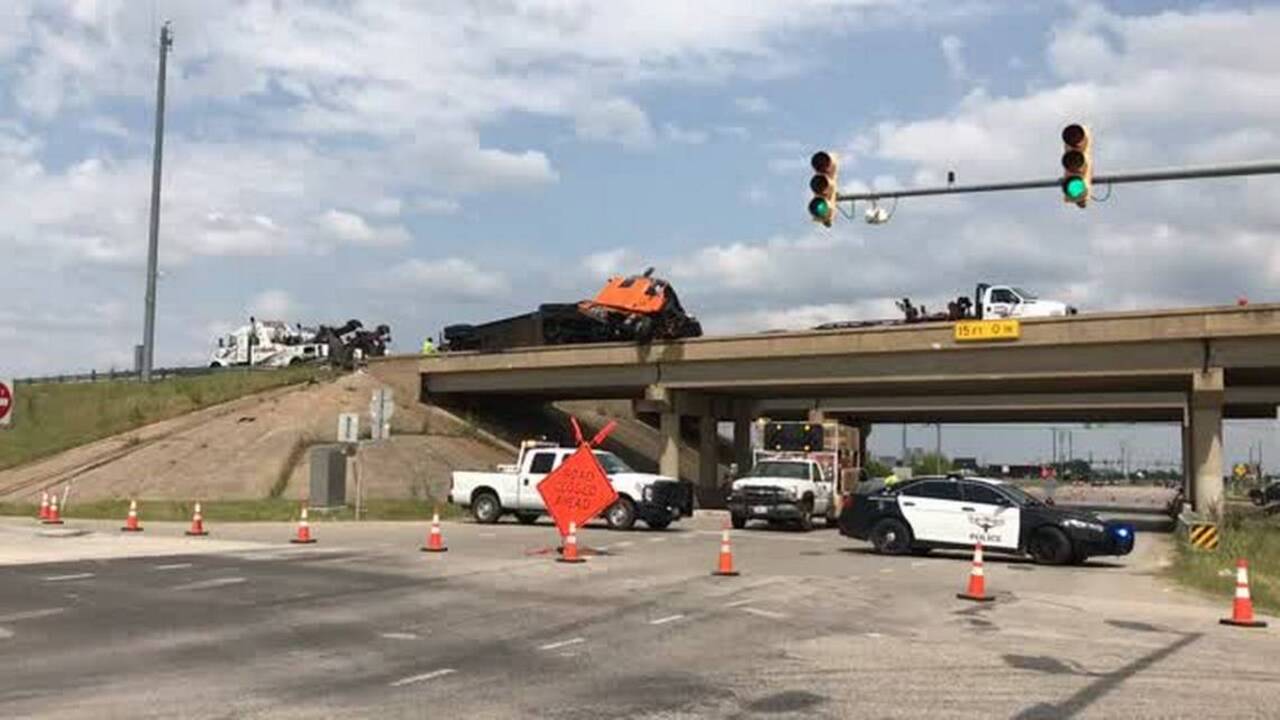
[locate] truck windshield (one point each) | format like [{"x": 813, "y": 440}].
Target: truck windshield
[
  {"x": 790, "y": 470},
  {"x": 612, "y": 464},
  {"x": 1024, "y": 294}
]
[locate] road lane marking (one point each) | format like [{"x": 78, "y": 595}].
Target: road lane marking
[
  {"x": 207, "y": 584},
  {"x": 665, "y": 620},
  {"x": 174, "y": 566},
  {"x": 624, "y": 543},
  {"x": 74, "y": 576},
  {"x": 738, "y": 603},
  {"x": 5, "y": 633},
  {"x": 886, "y": 570},
  {"x": 764, "y": 613},
  {"x": 657, "y": 539},
  {"x": 562, "y": 643},
  {"x": 488, "y": 535},
  {"x": 399, "y": 636},
  {"x": 31, "y": 615},
  {"x": 424, "y": 676},
  {"x": 874, "y": 635}
]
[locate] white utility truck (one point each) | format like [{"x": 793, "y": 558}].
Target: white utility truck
[
  {"x": 513, "y": 489},
  {"x": 798, "y": 472},
  {"x": 274, "y": 344}
]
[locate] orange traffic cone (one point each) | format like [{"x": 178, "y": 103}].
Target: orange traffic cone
[
  {"x": 435, "y": 541},
  {"x": 725, "y": 566},
  {"x": 44, "y": 506},
  {"x": 304, "y": 530},
  {"x": 131, "y": 522},
  {"x": 197, "y": 523},
  {"x": 54, "y": 518},
  {"x": 570, "y": 554},
  {"x": 977, "y": 580},
  {"x": 1242, "y": 610}
]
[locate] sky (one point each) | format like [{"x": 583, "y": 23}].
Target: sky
[{"x": 421, "y": 164}]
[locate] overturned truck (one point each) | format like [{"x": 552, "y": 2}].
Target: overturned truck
[{"x": 634, "y": 308}]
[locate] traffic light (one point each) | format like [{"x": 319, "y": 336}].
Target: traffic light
[
  {"x": 1077, "y": 164},
  {"x": 822, "y": 208}
]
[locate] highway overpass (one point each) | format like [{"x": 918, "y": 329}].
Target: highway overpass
[{"x": 1192, "y": 366}]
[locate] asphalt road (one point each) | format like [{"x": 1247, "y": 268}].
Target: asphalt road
[{"x": 244, "y": 625}]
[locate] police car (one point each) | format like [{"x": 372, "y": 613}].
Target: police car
[{"x": 957, "y": 511}]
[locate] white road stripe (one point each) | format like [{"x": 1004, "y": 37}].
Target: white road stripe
[
  {"x": 874, "y": 635},
  {"x": 174, "y": 566},
  {"x": 737, "y": 603},
  {"x": 657, "y": 539},
  {"x": 31, "y": 615},
  {"x": 76, "y": 576},
  {"x": 764, "y": 613},
  {"x": 665, "y": 620},
  {"x": 624, "y": 543},
  {"x": 562, "y": 643},
  {"x": 206, "y": 584},
  {"x": 399, "y": 636},
  {"x": 886, "y": 570},
  {"x": 488, "y": 535},
  {"x": 424, "y": 676}
]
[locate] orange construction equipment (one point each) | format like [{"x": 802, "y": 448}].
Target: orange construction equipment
[
  {"x": 570, "y": 553},
  {"x": 53, "y": 518},
  {"x": 131, "y": 522},
  {"x": 1242, "y": 610},
  {"x": 435, "y": 541},
  {"x": 304, "y": 530},
  {"x": 977, "y": 580},
  {"x": 197, "y": 523},
  {"x": 44, "y": 506},
  {"x": 725, "y": 567}
]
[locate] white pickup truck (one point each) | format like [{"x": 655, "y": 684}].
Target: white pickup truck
[
  {"x": 783, "y": 490},
  {"x": 655, "y": 499}
]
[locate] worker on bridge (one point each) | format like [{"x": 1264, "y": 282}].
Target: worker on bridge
[
  {"x": 428, "y": 347},
  {"x": 891, "y": 480}
]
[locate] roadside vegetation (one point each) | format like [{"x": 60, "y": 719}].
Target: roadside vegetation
[
  {"x": 52, "y": 417},
  {"x": 1243, "y": 534},
  {"x": 278, "y": 509}
]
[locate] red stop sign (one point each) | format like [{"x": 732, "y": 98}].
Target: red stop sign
[{"x": 6, "y": 401}]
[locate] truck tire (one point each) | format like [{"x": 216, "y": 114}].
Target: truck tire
[
  {"x": 1050, "y": 546},
  {"x": 738, "y": 521},
  {"x": 621, "y": 515},
  {"x": 527, "y": 518},
  {"x": 485, "y": 508},
  {"x": 891, "y": 536},
  {"x": 805, "y": 523}
]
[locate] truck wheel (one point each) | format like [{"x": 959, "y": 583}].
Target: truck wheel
[
  {"x": 527, "y": 518},
  {"x": 805, "y": 523},
  {"x": 621, "y": 515},
  {"x": 738, "y": 521},
  {"x": 891, "y": 537},
  {"x": 486, "y": 509},
  {"x": 1050, "y": 546}
]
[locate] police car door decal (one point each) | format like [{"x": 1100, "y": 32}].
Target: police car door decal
[{"x": 994, "y": 525}]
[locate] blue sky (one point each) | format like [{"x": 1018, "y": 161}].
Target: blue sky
[{"x": 427, "y": 163}]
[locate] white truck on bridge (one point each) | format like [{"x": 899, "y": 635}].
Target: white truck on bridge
[{"x": 655, "y": 499}]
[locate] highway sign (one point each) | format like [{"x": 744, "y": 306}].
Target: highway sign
[
  {"x": 6, "y": 401},
  {"x": 987, "y": 330},
  {"x": 381, "y": 407},
  {"x": 348, "y": 428}
]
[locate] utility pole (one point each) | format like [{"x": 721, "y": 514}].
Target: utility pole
[
  {"x": 937, "y": 448},
  {"x": 153, "y": 240},
  {"x": 904, "y": 444}
]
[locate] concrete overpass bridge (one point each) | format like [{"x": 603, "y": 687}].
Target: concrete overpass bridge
[{"x": 1192, "y": 366}]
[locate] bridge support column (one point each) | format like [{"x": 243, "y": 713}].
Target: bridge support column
[
  {"x": 1206, "y": 442},
  {"x": 708, "y": 493},
  {"x": 669, "y": 451}
]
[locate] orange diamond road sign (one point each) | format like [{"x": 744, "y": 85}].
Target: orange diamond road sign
[{"x": 578, "y": 490}]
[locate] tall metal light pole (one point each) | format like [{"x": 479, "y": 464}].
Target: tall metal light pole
[{"x": 153, "y": 242}]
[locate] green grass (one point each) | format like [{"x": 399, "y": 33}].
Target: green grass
[
  {"x": 1250, "y": 536},
  {"x": 52, "y": 417},
  {"x": 239, "y": 510}
]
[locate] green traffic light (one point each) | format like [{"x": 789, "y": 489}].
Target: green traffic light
[
  {"x": 1075, "y": 188},
  {"x": 820, "y": 209}
]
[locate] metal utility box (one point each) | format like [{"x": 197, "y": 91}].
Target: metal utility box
[{"x": 328, "y": 476}]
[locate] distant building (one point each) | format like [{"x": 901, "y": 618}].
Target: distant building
[{"x": 965, "y": 463}]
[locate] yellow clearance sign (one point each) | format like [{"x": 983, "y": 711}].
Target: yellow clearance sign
[{"x": 987, "y": 330}]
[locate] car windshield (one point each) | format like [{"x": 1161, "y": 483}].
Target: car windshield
[
  {"x": 612, "y": 464},
  {"x": 1024, "y": 294},
  {"x": 792, "y": 470}
]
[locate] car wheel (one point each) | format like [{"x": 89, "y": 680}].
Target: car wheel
[
  {"x": 621, "y": 515},
  {"x": 738, "y": 521},
  {"x": 527, "y": 518},
  {"x": 1050, "y": 546},
  {"x": 891, "y": 537},
  {"x": 486, "y": 509},
  {"x": 658, "y": 524}
]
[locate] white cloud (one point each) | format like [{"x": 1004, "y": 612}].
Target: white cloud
[
  {"x": 348, "y": 227},
  {"x": 449, "y": 279},
  {"x": 677, "y": 134},
  {"x": 953, "y": 52},
  {"x": 616, "y": 120},
  {"x": 436, "y": 206},
  {"x": 617, "y": 261},
  {"x": 106, "y": 125},
  {"x": 273, "y": 305},
  {"x": 753, "y": 105},
  {"x": 737, "y": 132}
]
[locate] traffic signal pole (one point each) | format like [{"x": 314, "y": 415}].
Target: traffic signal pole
[{"x": 1145, "y": 176}]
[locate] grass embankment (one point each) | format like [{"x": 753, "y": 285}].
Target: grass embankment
[
  {"x": 238, "y": 510},
  {"x": 1255, "y": 538},
  {"x": 52, "y": 417}
]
